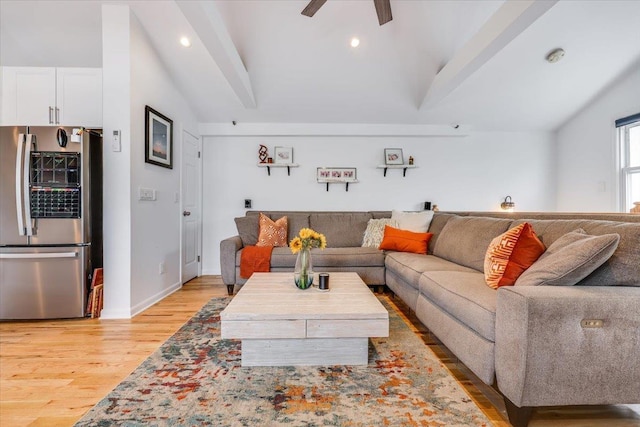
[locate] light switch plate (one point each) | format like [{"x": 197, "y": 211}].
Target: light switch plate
[{"x": 147, "y": 194}]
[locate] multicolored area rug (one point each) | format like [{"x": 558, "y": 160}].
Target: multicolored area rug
[{"x": 195, "y": 379}]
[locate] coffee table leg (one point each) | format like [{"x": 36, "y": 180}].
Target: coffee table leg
[{"x": 230, "y": 289}]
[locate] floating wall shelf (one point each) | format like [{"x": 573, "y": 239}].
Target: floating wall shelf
[
  {"x": 278, "y": 165},
  {"x": 403, "y": 167}
]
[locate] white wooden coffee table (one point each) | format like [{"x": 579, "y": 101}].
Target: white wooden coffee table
[{"x": 281, "y": 325}]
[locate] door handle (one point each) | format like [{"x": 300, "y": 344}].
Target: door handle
[
  {"x": 186, "y": 213},
  {"x": 50, "y": 115},
  {"x": 39, "y": 255}
]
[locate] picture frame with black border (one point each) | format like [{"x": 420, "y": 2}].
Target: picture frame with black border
[
  {"x": 393, "y": 156},
  {"x": 158, "y": 138}
]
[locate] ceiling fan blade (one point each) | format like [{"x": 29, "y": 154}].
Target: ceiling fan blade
[
  {"x": 313, "y": 7},
  {"x": 383, "y": 9}
]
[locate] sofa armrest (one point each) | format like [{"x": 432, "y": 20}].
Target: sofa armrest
[
  {"x": 228, "y": 249},
  {"x": 546, "y": 355}
]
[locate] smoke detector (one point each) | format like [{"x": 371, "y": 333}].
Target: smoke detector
[{"x": 555, "y": 55}]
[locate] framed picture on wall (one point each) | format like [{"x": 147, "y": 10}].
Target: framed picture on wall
[
  {"x": 283, "y": 155},
  {"x": 158, "y": 138},
  {"x": 393, "y": 156},
  {"x": 336, "y": 175}
]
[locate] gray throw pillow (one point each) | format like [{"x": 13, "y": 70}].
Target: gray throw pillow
[
  {"x": 248, "y": 229},
  {"x": 570, "y": 259}
]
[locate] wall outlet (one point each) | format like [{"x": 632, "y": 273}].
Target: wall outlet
[
  {"x": 247, "y": 203},
  {"x": 161, "y": 267}
]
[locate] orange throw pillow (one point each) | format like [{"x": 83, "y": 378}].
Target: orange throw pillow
[
  {"x": 510, "y": 254},
  {"x": 395, "y": 239},
  {"x": 272, "y": 233}
]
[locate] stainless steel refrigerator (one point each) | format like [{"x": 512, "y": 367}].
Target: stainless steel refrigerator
[{"x": 45, "y": 222}]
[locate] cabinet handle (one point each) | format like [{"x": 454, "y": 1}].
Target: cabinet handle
[
  {"x": 57, "y": 116},
  {"x": 50, "y": 115}
]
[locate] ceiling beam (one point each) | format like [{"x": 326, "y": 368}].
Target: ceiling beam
[
  {"x": 208, "y": 24},
  {"x": 513, "y": 17}
]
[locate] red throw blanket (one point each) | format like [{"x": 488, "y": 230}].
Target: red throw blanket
[{"x": 255, "y": 259}]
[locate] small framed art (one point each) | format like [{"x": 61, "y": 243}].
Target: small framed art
[
  {"x": 158, "y": 138},
  {"x": 283, "y": 155},
  {"x": 336, "y": 175},
  {"x": 393, "y": 156}
]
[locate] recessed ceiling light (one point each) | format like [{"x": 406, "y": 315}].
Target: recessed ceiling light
[
  {"x": 555, "y": 55},
  {"x": 355, "y": 42},
  {"x": 184, "y": 41}
]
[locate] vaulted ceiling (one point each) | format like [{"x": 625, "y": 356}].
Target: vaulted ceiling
[{"x": 478, "y": 63}]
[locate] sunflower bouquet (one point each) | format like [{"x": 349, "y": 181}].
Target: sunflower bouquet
[
  {"x": 302, "y": 244},
  {"x": 307, "y": 239}
]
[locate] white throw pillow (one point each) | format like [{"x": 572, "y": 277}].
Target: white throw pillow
[
  {"x": 375, "y": 232},
  {"x": 417, "y": 222}
]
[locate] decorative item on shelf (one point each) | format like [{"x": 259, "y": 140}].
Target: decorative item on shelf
[
  {"x": 263, "y": 153},
  {"x": 411, "y": 160},
  {"x": 284, "y": 155},
  {"x": 269, "y": 159},
  {"x": 436, "y": 208},
  {"x": 302, "y": 244},
  {"x": 393, "y": 156},
  {"x": 337, "y": 175},
  {"x": 635, "y": 209},
  {"x": 508, "y": 205},
  {"x": 427, "y": 206}
]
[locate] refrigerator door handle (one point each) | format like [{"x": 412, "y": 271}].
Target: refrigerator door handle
[
  {"x": 19, "y": 192},
  {"x": 40, "y": 256},
  {"x": 31, "y": 139}
]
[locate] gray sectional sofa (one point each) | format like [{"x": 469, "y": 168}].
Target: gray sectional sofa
[{"x": 541, "y": 345}]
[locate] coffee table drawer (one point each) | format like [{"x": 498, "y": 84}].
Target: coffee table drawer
[
  {"x": 263, "y": 329},
  {"x": 339, "y": 328}
]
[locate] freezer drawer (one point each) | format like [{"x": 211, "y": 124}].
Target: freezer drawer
[{"x": 42, "y": 283}]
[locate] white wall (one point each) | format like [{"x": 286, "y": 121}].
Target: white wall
[
  {"x": 587, "y": 175},
  {"x": 471, "y": 173},
  {"x": 145, "y": 232},
  {"x": 155, "y": 226},
  {"x": 116, "y": 165}
]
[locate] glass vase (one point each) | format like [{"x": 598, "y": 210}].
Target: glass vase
[{"x": 303, "y": 271}]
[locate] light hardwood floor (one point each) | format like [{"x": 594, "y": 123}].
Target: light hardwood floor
[{"x": 52, "y": 372}]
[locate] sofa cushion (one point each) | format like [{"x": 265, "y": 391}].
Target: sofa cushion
[
  {"x": 465, "y": 296},
  {"x": 342, "y": 229},
  {"x": 438, "y": 222},
  {"x": 410, "y": 266},
  {"x": 395, "y": 239},
  {"x": 272, "y": 233},
  {"x": 622, "y": 269},
  {"x": 510, "y": 254},
  {"x": 247, "y": 229},
  {"x": 296, "y": 221},
  {"x": 329, "y": 257},
  {"x": 464, "y": 240},
  {"x": 418, "y": 222},
  {"x": 375, "y": 231},
  {"x": 570, "y": 259}
]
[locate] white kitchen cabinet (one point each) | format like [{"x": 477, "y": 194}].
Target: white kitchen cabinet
[{"x": 42, "y": 96}]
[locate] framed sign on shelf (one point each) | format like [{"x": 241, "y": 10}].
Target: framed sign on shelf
[
  {"x": 393, "y": 156},
  {"x": 337, "y": 175},
  {"x": 283, "y": 155}
]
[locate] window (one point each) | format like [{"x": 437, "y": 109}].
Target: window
[{"x": 629, "y": 139}]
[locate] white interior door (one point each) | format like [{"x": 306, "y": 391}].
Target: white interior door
[{"x": 191, "y": 206}]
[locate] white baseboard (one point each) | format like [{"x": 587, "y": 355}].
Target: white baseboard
[{"x": 142, "y": 306}]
